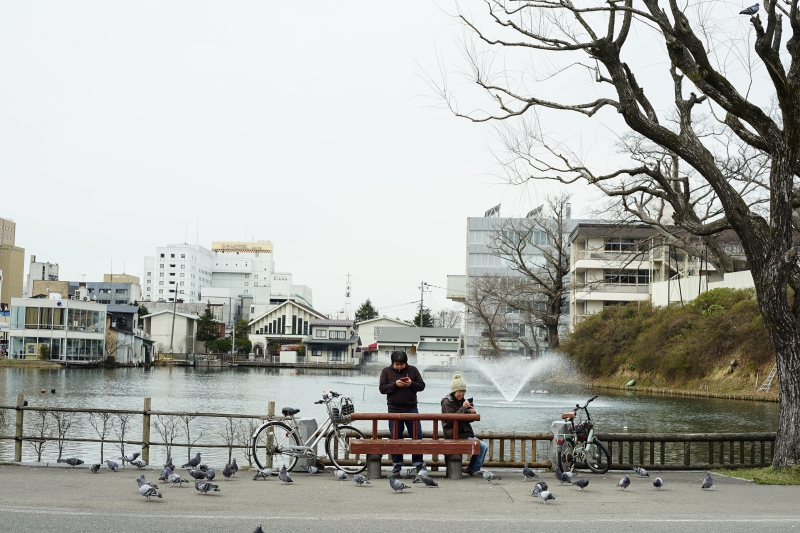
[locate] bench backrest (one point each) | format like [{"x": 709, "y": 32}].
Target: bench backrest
[{"x": 396, "y": 418}]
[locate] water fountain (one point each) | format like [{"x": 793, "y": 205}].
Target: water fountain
[{"x": 510, "y": 374}]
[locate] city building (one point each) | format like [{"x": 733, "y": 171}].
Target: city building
[
  {"x": 429, "y": 346},
  {"x": 8, "y": 232},
  {"x": 40, "y": 271},
  {"x": 286, "y": 323},
  {"x": 370, "y": 330},
  {"x": 57, "y": 329},
  {"x": 177, "y": 271},
  {"x": 332, "y": 341},
  {"x": 115, "y": 292},
  {"x": 12, "y": 275},
  {"x": 172, "y": 333},
  {"x": 126, "y": 343}
]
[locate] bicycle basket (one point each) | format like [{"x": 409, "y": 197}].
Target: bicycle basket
[
  {"x": 340, "y": 411},
  {"x": 582, "y": 430}
]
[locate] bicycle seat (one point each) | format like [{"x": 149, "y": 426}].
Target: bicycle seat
[
  {"x": 568, "y": 416},
  {"x": 289, "y": 411}
]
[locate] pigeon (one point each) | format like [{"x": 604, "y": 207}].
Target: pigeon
[
  {"x": 204, "y": 486},
  {"x": 175, "y": 478},
  {"x": 210, "y": 474},
  {"x": 752, "y": 10},
  {"x": 641, "y": 471},
  {"x": 313, "y": 470},
  {"x": 227, "y": 472},
  {"x": 285, "y": 476},
  {"x": 194, "y": 462},
  {"x": 341, "y": 475},
  {"x": 147, "y": 490},
  {"x": 138, "y": 463},
  {"x": 258, "y": 529},
  {"x": 234, "y": 467},
  {"x": 72, "y": 461},
  {"x": 143, "y": 480},
  {"x": 129, "y": 458},
  {"x": 169, "y": 464},
  {"x": 582, "y": 483},
  {"x": 707, "y": 482},
  {"x": 423, "y": 472},
  {"x": 540, "y": 487},
  {"x": 398, "y": 486},
  {"x": 94, "y": 468},
  {"x": 428, "y": 481},
  {"x": 197, "y": 474},
  {"x": 563, "y": 476},
  {"x": 416, "y": 479},
  {"x": 112, "y": 465},
  {"x": 624, "y": 483},
  {"x": 527, "y": 473},
  {"x": 202, "y": 467},
  {"x": 264, "y": 473},
  {"x": 164, "y": 474},
  {"x": 488, "y": 476},
  {"x": 360, "y": 480},
  {"x": 658, "y": 483},
  {"x": 546, "y": 495}
]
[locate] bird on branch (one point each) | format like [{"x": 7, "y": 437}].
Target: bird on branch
[{"x": 752, "y": 10}]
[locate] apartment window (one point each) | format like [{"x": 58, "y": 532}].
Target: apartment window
[
  {"x": 172, "y": 273},
  {"x": 321, "y": 334},
  {"x": 183, "y": 266},
  {"x": 162, "y": 256},
  {"x": 316, "y": 352},
  {"x": 149, "y": 273},
  {"x": 337, "y": 335},
  {"x": 181, "y": 283},
  {"x": 149, "y": 282},
  {"x": 183, "y": 256},
  {"x": 182, "y": 275},
  {"x": 160, "y": 291},
  {"x": 172, "y": 283},
  {"x": 255, "y": 276},
  {"x": 627, "y": 276},
  {"x": 161, "y": 275},
  {"x": 614, "y": 304},
  {"x": 621, "y": 245},
  {"x": 246, "y": 284},
  {"x": 161, "y": 265},
  {"x": 255, "y": 284},
  {"x": 172, "y": 266}
]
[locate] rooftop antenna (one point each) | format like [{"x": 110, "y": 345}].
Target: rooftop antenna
[{"x": 347, "y": 306}]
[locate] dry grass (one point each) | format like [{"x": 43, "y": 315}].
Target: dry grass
[{"x": 766, "y": 476}]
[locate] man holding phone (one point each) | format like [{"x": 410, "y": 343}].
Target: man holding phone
[
  {"x": 455, "y": 403},
  {"x": 400, "y": 382}
]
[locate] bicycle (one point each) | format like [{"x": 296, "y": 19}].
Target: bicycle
[
  {"x": 580, "y": 445},
  {"x": 278, "y": 443}
]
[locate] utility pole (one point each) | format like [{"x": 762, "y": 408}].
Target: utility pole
[{"x": 422, "y": 286}]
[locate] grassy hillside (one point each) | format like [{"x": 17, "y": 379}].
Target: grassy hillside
[{"x": 688, "y": 346}]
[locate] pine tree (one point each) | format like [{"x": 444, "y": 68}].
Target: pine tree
[
  {"x": 207, "y": 328},
  {"x": 366, "y": 312},
  {"x": 427, "y": 321}
]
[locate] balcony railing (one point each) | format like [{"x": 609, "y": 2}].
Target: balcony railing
[
  {"x": 615, "y": 255},
  {"x": 612, "y": 287}
]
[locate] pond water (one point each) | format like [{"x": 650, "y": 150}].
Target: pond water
[{"x": 248, "y": 390}]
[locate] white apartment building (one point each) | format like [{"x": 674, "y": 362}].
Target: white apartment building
[
  {"x": 39, "y": 271},
  {"x": 177, "y": 271}
]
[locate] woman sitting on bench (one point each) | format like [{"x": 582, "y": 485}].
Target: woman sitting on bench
[{"x": 455, "y": 403}]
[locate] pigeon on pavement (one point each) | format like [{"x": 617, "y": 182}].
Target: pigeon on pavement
[
  {"x": 285, "y": 476},
  {"x": 707, "y": 482},
  {"x": 563, "y": 476},
  {"x": 138, "y": 463},
  {"x": 398, "y": 486},
  {"x": 641, "y": 471},
  {"x": 194, "y": 462},
  {"x": 143, "y": 480},
  {"x": 540, "y": 487},
  {"x": 264, "y": 473},
  {"x": 147, "y": 490},
  {"x": 72, "y": 461},
  {"x": 94, "y": 468},
  {"x": 234, "y": 467},
  {"x": 428, "y": 481},
  {"x": 488, "y": 476},
  {"x": 313, "y": 470},
  {"x": 164, "y": 474},
  {"x": 175, "y": 478},
  {"x": 169, "y": 464},
  {"x": 197, "y": 474},
  {"x": 341, "y": 475},
  {"x": 752, "y": 10},
  {"x": 360, "y": 480},
  {"x": 582, "y": 483},
  {"x": 423, "y": 471},
  {"x": 202, "y": 467},
  {"x": 210, "y": 475},
  {"x": 658, "y": 483},
  {"x": 227, "y": 472},
  {"x": 546, "y": 495},
  {"x": 129, "y": 458},
  {"x": 527, "y": 473},
  {"x": 204, "y": 486},
  {"x": 113, "y": 466},
  {"x": 624, "y": 483},
  {"x": 258, "y": 529}
]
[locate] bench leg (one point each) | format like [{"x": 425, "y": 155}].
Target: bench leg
[
  {"x": 374, "y": 465},
  {"x": 453, "y": 463}
]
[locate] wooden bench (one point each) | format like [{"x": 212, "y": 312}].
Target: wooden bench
[{"x": 452, "y": 449}]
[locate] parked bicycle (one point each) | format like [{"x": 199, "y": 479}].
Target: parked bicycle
[
  {"x": 579, "y": 445},
  {"x": 278, "y": 443}
]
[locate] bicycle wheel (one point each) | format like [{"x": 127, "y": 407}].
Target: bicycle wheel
[
  {"x": 269, "y": 446},
  {"x": 337, "y": 446},
  {"x": 566, "y": 456},
  {"x": 597, "y": 457}
]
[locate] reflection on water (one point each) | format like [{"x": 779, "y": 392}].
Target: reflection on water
[{"x": 248, "y": 390}]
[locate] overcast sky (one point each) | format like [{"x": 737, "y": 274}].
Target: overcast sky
[{"x": 130, "y": 125}]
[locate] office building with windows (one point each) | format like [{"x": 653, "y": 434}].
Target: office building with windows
[{"x": 177, "y": 271}]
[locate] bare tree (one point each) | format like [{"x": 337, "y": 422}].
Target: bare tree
[
  {"x": 487, "y": 314},
  {"x": 244, "y": 438},
  {"x": 63, "y": 420},
  {"x": 102, "y": 424},
  {"x": 448, "y": 318},
  {"x": 3, "y": 421},
  {"x": 694, "y": 169},
  {"x": 186, "y": 420},
  {"x": 42, "y": 432},
  {"x": 120, "y": 429},
  {"x": 229, "y": 434},
  {"x": 170, "y": 429}
]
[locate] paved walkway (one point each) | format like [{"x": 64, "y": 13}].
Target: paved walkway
[{"x": 48, "y": 499}]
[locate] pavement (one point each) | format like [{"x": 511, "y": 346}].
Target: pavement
[{"x": 66, "y": 500}]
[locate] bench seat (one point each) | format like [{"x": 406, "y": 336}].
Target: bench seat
[{"x": 407, "y": 446}]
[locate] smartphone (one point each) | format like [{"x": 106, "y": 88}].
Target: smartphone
[
  {"x": 406, "y": 379},
  {"x": 471, "y": 402}
]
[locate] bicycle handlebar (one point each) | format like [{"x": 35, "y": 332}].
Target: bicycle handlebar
[
  {"x": 320, "y": 401},
  {"x": 590, "y": 400}
]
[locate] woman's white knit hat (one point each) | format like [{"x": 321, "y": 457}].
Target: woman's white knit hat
[{"x": 458, "y": 384}]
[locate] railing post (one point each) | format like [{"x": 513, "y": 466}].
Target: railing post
[
  {"x": 687, "y": 455},
  {"x": 18, "y": 429},
  {"x": 271, "y": 409},
  {"x": 146, "y": 432}
]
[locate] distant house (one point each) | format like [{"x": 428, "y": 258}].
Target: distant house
[
  {"x": 370, "y": 330},
  {"x": 332, "y": 341},
  {"x": 125, "y": 343},
  {"x": 287, "y": 323},
  {"x": 172, "y": 336},
  {"x": 428, "y": 346}
]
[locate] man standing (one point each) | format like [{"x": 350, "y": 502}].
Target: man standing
[{"x": 400, "y": 382}]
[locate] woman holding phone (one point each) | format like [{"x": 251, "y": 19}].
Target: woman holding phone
[
  {"x": 400, "y": 382},
  {"x": 455, "y": 403}
]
